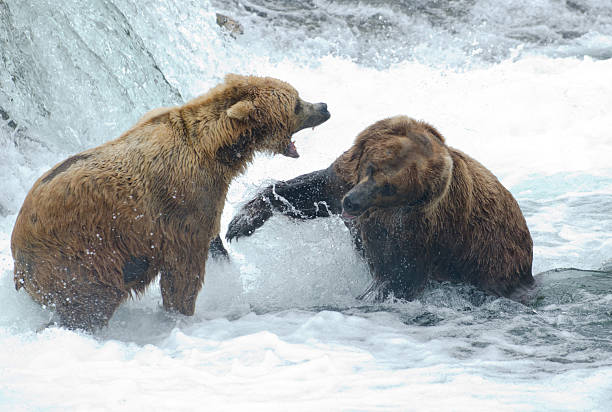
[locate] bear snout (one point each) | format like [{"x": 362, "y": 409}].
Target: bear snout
[
  {"x": 361, "y": 197},
  {"x": 351, "y": 205},
  {"x": 313, "y": 115},
  {"x": 322, "y": 109}
]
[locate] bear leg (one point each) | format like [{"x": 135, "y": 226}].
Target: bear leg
[
  {"x": 89, "y": 308},
  {"x": 180, "y": 291},
  {"x": 309, "y": 196}
]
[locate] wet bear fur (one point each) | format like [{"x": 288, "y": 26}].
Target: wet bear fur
[
  {"x": 417, "y": 208},
  {"x": 102, "y": 224}
]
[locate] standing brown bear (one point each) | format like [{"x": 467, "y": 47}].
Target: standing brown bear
[
  {"x": 103, "y": 223},
  {"x": 417, "y": 209}
]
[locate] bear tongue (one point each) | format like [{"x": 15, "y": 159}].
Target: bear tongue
[{"x": 291, "y": 151}]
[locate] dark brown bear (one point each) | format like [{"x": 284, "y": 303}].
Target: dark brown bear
[
  {"x": 417, "y": 208},
  {"x": 103, "y": 223}
]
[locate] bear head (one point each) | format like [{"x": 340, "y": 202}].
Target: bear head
[
  {"x": 396, "y": 162},
  {"x": 274, "y": 109}
]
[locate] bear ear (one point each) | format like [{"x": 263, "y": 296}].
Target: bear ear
[
  {"x": 241, "y": 110},
  {"x": 435, "y": 132},
  {"x": 235, "y": 79}
]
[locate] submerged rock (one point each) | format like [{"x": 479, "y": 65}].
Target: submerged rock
[{"x": 229, "y": 24}]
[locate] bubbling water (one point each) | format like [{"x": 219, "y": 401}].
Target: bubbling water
[{"x": 523, "y": 87}]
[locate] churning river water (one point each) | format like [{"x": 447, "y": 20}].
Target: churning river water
[{"x": 523, "y": 86}]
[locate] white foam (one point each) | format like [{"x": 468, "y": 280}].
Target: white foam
[{"x": 261, "y": 339}]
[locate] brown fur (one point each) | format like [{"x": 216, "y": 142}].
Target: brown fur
[
  {"x": 448, "y": 214},
  {"x": 423, "y": 211},
  {"x": 102, "y": 224}
]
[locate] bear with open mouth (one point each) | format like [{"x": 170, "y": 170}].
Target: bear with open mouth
[{"x": 104, "y": 223}]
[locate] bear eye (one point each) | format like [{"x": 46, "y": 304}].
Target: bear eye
[
  {"x": 298, "y": 106},
  {"x": 388, "y": 190}
]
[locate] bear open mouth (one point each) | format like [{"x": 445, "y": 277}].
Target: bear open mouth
[
  {"x": 291, "y": 151},
  {"x": 347, "y": 216}
]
